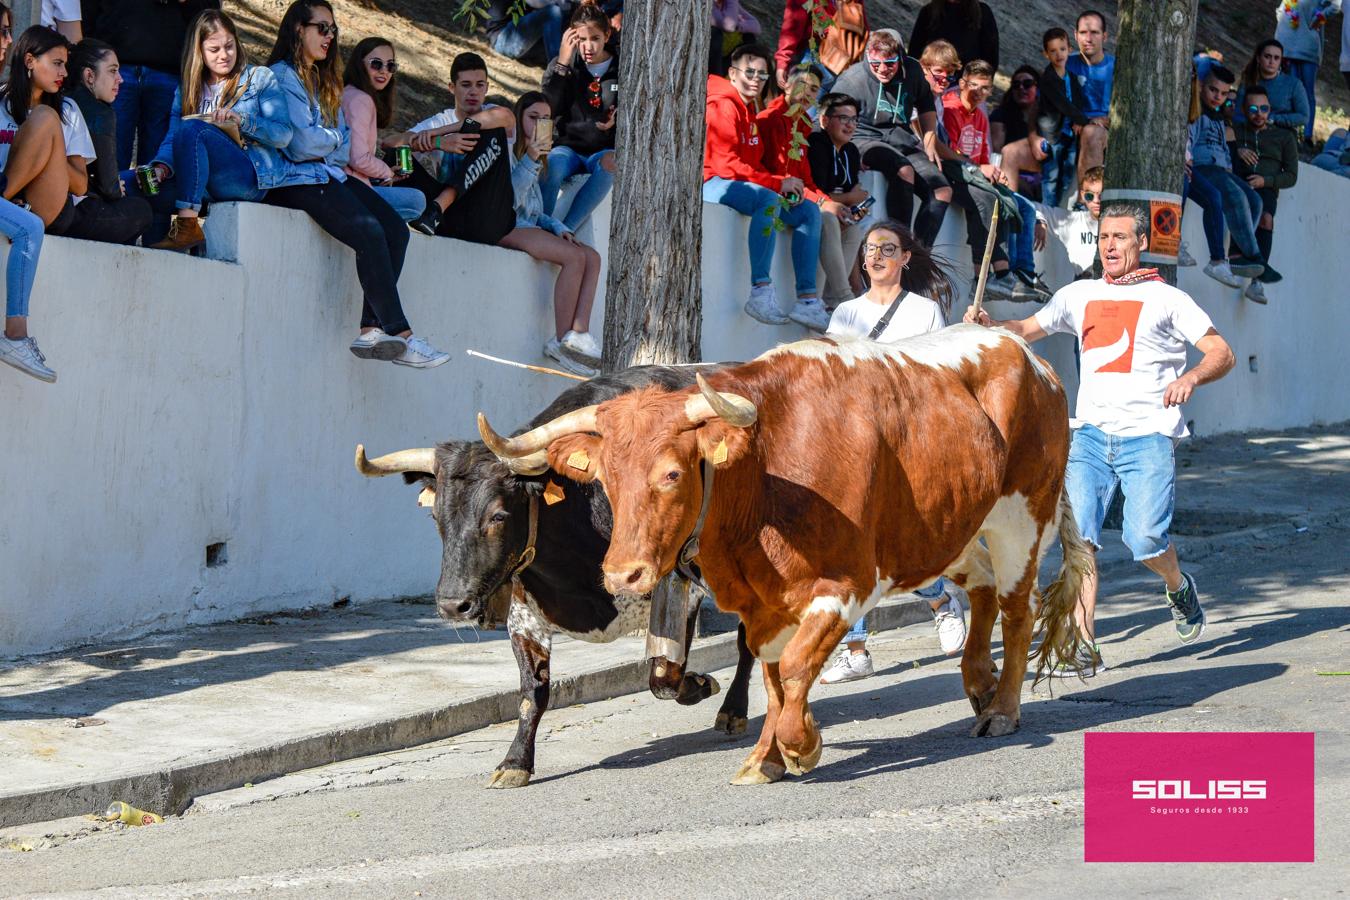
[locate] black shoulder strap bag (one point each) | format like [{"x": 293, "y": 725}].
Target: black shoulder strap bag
[{"x": 880, "y": 328}]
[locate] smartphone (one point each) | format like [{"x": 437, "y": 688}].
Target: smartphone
[
  {"x": 470, "y": 126},
  {"x": 861, "y": 209},
  {"x": 543, "y": 131}
]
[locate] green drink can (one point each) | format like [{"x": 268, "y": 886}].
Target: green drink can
[
  {"x": 403, "y": 156},
  {"x": 147, "y": 179}
]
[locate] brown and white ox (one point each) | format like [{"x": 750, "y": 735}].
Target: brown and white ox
[{"x": 845, "y": 470}]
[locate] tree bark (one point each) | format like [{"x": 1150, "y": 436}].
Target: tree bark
[
  {"x": 654, "y": 292},
  {"x": 1149, "y": 103}
]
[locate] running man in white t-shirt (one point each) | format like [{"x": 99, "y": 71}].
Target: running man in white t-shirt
[
  {"x": 1132, "y": 330},
  {"x": 902, "y": 277}
]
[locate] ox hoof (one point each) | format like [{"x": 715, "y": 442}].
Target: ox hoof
[
  {"x": 759, "y": 773},
  {"x": 801, "y": 763},
  {"x": 981, "y": 703},
  {"x": 728, "y": 723},
  {"x": 509, "y": 778},
  {"x": 993, "y": 725},
  {"x": 697, "y": 688}
]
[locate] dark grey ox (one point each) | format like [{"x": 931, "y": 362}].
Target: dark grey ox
[{"x": 482, "y": 511}]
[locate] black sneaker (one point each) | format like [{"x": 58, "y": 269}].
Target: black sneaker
[
  {"x": 1089, "y": 661},
  {"x": 1246, "y": 266},
  {"x": 428, "y": 221},
  {"x": 1029, "y": 286},
  {"x": 1187, "y": 614},
  {"x": 1270, "y": 276}
]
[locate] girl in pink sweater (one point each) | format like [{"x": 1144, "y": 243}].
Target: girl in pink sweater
[{"x": 368, "y": 105}]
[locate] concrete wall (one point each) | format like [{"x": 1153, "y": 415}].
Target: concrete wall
[{"x": 214, "y": 401}]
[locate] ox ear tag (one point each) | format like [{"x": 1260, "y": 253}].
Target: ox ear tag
[
  {"x": 553, "y": 493},
  {"x": 579, "y": 460},
  {"x": 720, "y": 452},
  {"x": 427, "y": 498}
]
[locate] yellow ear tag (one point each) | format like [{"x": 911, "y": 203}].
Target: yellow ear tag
[
  {"x": 427, "y": 498},
  {"x": 720, "y": 452},
  {"x": 579, "y": 460},
  {"x": 553, "y": 494}
]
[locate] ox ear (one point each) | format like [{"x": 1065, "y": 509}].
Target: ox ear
[
  {"x": 426, "y": 497},
  {"x": 722, "y": 443},
  {"x": 575, "y": 456}
]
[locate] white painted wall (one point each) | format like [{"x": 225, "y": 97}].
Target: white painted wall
[{"x": 205, "y": 401}]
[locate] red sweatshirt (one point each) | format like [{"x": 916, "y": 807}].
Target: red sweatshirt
[
  {"x": 733, "y": 149},
  {"x": 775, "y": 128}
]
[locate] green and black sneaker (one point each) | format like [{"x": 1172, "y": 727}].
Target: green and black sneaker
[
  {"x": 1089, "y": 663},
  {"x": 1187, "y": 614}
]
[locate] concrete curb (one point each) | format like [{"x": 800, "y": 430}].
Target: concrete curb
[{"x": 169, "y": 789}]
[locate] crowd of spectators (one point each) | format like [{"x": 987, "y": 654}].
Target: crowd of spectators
[{"x": 123, "y": 120}]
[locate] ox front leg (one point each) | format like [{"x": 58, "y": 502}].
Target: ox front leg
[
  {"x": 974, "y": 572},
  {"x": 531, "y": 642},
  {"x": 765, "y": 764},
  {"x": 803, "y": 659},
  {"x": 732, "y": 717}
]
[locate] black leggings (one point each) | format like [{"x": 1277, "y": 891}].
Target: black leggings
[
  {"x": 889, "y": 161},
  {"x": 978, "y": 204},
  {"x": 358, "y": 217},
  {"x": 118, "y": 221}
]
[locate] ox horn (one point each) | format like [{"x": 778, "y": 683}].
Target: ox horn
[
  {"x": 708, "y": 403},
  {"x": 527, "y": 454},
  {"x": 423, "y": 459}
]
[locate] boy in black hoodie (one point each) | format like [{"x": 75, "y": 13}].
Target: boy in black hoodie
[{"x": 1061, "y": 115}]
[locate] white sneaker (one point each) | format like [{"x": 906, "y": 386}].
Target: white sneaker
[
  {"x": 1256, "y": 292},
  {"x": 950, "y": 622},
  {"x": 1184, "y": 258},
  {"x": 849, "y": 666},
  {"x": 1220, "y": 272},
  {"x": 810, "y": 313},
  {"x": 581, "y": 347},
  {"x": 375, "y": 344},
  {"x": 24, "y": 355},
  {"x": 421, "y": 355},
  {"x": 763, "y": 306},
  {"x": 553, "y": 349}
]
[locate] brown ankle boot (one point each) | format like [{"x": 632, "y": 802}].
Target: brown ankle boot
[{"x": 184, "y": 234}]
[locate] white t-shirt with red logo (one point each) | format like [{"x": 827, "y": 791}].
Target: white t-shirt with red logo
[{"x": 1132, "y": 342}]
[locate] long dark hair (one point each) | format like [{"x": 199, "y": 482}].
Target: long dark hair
[
  {"x": 1008, "y": 105},
  {"x": 971, "y": 11},
  {"x": 590, "y": 13},
  {"x": 925, "y": 274},
  {"x": 528, "y": 99},
  {"x": 1252, "y": 74},
  {"x": 88, "y": 54},
  {"x": 358, "y": 76},
  {"x": 35, "y": 41},
  {"x": 322, "y": 79}
]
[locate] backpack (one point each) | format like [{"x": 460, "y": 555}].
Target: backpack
[{"x": 846, "y": 38}]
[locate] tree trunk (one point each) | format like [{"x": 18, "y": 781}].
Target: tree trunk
[
  {"x": 653, "y": 295},
  {"x": 1145, "y": 155}
]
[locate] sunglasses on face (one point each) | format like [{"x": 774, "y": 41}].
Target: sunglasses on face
[
  {"x": 1089, "y": 196},
  {"x": 886, "y": 250},
  {"x": 1024, "y": 83},
  {"x": 1253, "y": 109},
  {"x": 380, "y": 65},
  {"x": 889, "y": 61},
  {"x": 323, "y": 28},
  {"x": 754, "y": 74}
]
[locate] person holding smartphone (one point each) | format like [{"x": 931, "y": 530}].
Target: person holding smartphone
[{"x": 836, "y": 163}]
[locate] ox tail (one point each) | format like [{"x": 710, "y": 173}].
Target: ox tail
[{"x": 1060, "y": 639}]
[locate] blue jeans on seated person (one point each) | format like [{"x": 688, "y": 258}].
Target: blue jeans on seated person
[
  {"x": 1144, "y": 466},
  {"x": 1330, "y": 157},
  {"x": 211, "y": 166},
  {"x": 1057, "y": 168},
  {"x": 24, "y": 231},
  {"x": 1022, "y": 240},
  {"x": 1206, "y": 196},
  {"x": 518, "y": 38},
  {"x": 1241, "y": 206},
  {"x": 563, "y": 163},
  {"x": 408, "y": 202},
  {"x": 143, "y": 105},
  {"x": 752, "y": 200}
]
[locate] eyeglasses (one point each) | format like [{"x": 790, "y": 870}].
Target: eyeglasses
[
  {"x": 886, "y": 250},
  {"x": 324, "y": 28},
  {"x": 843, "y": 120},
  {"x": 7, "y": 31},
  {"x": 1089, "y": 196},
  {"x": 1254, "y": 108},
  {"x": 380, "y": 65},
  {"x": 753, "y": 74},
  {"x": 1024, "y": 83},
  {"x": 878, "y": 63}
]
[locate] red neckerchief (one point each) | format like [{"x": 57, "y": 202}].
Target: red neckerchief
[{"x": 1135, "y": 277}]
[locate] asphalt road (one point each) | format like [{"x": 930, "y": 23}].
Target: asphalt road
[{"x": 631, "y": 796}]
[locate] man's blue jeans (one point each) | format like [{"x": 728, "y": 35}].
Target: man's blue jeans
[
  {"x": 1206, "y": 196},
  {"x": 143, "y": 105},
  {"x": 759, "y": 203},
  {"x": 1143, "y": 466},
  {"x": 563, "y": 163},
  {"x": 1241, "y": 206},
  {"x": 518, "y": 38}
]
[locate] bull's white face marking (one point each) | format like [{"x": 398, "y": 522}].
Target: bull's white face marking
[
  {"x": 949, "y": 348},
  {"x": 772, "y": 651},
  {"x": 1012, "y": 535}
]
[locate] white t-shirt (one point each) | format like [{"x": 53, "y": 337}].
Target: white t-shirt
[
  {"x": 73, "y": 129},
  {"x": 1132, "y": 341},
  {"x": 60, "y": 10},
  {"x": 915, "y": 315},
  {"x": 1077, "y": 231},
  {"x": 434, "y": 159}
]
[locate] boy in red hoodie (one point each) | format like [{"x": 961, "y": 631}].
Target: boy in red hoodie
[{"x": 737, "y": 174}]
